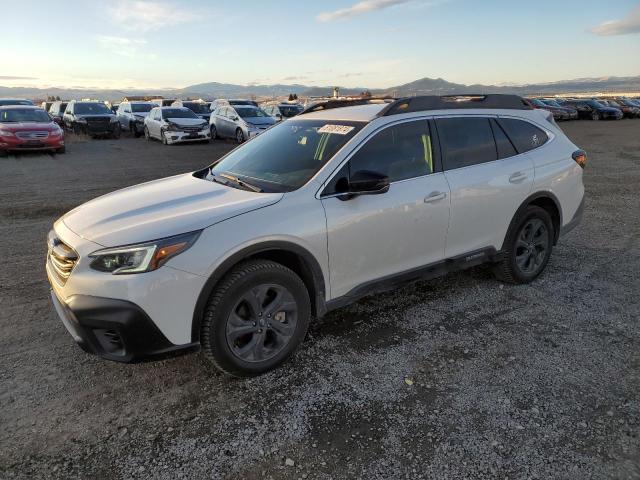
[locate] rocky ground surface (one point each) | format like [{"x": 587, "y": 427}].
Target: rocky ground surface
[{"x": 461, "y": 377}]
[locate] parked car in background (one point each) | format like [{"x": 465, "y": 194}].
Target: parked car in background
[
  {"x": 240, "y": 122},
  {"x": 57, "y": 112},
  {"x": 593, "y": 110},
  {"x": 163, "y": 102},
  {"x": 572, "y": 112},
  {"x": 282, "y": 110},
  {"x": 201, "y": 109},
  {"x": 29, "y": 128},
  {"x": 175, "y": 125},
  {"x": 14, "y": 101},
  {"x": 314, "y": 214},
  {"x": 558, "y": 113},
  {"x": 92, "y": 118},
  {"x": 46, "y": 106},
  {"x": 629, "y": 111},
  {"x": 131, "y": 116},
  {"x": 632, "y": 102}
]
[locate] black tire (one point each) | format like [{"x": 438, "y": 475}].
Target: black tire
[
  {"x": 163, "y": 137},
  {"x": 77, "y": 129},
  {"x": 61, "y": 150},
  {"x": 214, "y": 132},
  {"x": 4, "y": 153},
  {"x": 227, "y": 303},
  {"x": 595, "y": 116},
  {"x": 525, "y": 257},
  {"x": 116, "y": 132},
  {"x": 147, "y": 137},
  {"x": 239, "y": 136}
]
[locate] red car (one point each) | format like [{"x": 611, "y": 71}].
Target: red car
[{"x": 24, "y": 128}]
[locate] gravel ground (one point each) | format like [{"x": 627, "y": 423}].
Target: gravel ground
[{"x": 461, "y": 377}]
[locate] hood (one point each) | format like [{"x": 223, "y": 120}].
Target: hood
[
  {"x": 29, "y": 126},
  {"x": 161, "y": 208},
  {"x": 185, "y": 121},
  {"x": 260, "y": 120}
]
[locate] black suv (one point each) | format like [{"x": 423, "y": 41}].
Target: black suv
[
  {"x": 93, "y": 118},
  {"x": 594, "y": 110}
]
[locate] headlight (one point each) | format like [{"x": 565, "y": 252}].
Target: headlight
[
  {"x": 114, "y": 119},
  {"x": 81, "y": 120},
  {"x": 143, "y": 257},
  {"x": 172, "y": 127},
  {"x": 6, "y": 133}
]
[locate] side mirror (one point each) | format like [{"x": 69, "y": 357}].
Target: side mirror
[
  {"x": 235, "y": 119},
  {"x": 366, "y": 182},
  {"x": 279, "y": 116}
]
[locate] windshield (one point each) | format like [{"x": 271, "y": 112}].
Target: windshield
[
  {"x": 595, "y": 104},
  {"x": 250, "y": 112},
  {"x": 552, "y": 103},
  {"x": 91, "y": 109},
  {"x": 15, "y": 102},
  {"x": 286, "y": 156},
  {"x": 178, "y": 113},
  {"x": 197, "y": 107},
  {"x": 24, "y": 115},
  {"x": 538, "y": 103},
  {"x": 142, "y": 107},
  {"x": 289, "y": 110}
]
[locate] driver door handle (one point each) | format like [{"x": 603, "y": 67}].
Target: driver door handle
[{"x": 435, "y": 197}]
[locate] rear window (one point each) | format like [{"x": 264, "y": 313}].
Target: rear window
[
  {"x": 523, "y": 135},
  {"x": 465, "y": 141}
]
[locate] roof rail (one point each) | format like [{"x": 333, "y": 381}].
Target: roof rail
[
  {"x": 448, "y": 102},
  {"x": 337, "y": 103}
]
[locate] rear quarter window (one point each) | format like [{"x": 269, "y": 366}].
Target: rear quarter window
[{"x": 523, "y": 135}]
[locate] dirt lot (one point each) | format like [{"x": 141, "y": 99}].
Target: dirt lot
[{"x": 536, "y": 382}]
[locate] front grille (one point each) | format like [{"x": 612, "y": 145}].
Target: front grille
[
  {"x": 61, "y": 257},
  {"x": 189, "y": 128},
  {"x": 32, "y": 135}
]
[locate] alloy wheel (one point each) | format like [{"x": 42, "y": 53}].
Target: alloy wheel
[
  {"x": 532, "y": 245},
  {"x": 239, "y": 136},
  {"x": 261, "y": 323}
]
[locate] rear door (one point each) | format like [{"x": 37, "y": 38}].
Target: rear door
[
  {"x": 371, "y": 237},
  {"x": 488, "y": 179}
]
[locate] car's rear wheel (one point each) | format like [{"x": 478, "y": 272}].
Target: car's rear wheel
[
  {"x": 214, "y": 132},
  {"x": 527, "y": 247},
  {"x": 239, "y": 136},
  {"x": 255, "y": 319}
]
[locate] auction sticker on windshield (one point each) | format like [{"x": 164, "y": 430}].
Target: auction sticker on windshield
[{"x": 337, "y": 129}]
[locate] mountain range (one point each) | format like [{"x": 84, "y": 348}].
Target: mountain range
[{"x": 423, "y": 86}]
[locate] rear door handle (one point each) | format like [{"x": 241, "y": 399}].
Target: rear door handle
[
  {"x": 435, "y": 197},
  {"x": 518, "y": 177}
]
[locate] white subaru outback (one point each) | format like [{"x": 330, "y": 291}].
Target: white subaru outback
[{"x": 346, "y": 199}]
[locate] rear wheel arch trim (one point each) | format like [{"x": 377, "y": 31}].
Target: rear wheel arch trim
[
  {"x": 318, "y": 299},
  {"x": 545, "y": 194}
]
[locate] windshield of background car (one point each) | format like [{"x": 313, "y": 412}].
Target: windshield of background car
[
  {"x": 595, "y": 104},
  {"x": 178, "y": 113},
  {"x": 286, "y": 156},
  {"x": 289, "y": 111},
  {"x": 552, "y": 103},
  {"x": 197, "y": 107},
  {"x": 250, "y": 112},
  {"x": 24, "y": 115},
  {"x": 91, "y": 109},
  {"x": 14, "y": 102},
  {"x": 141, "y": 107},
  {"x": 538, "y": 103}
]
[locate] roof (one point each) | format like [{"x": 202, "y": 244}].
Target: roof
[{"x": 358, "y": 113}]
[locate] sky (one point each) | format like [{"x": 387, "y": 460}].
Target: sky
[{"x": 371, "y": 43}]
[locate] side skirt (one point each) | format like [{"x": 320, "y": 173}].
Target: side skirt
[{"x": 427, "y": 272}]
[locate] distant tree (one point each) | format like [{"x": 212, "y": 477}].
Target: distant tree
[
  {"x": 291, "y": 97},
  {"x": 365, "y": 94},
  {"x": 58, "y": 98}
]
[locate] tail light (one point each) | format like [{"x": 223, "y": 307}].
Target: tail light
[{"x": 580, "y": 157}]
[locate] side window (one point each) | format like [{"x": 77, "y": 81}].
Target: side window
[
  {"x": 465, "y": 141},
  {"x": 503, "y": 144},
  {"x": 400, "y": 152},
  {"x": 524, "y": 135}
]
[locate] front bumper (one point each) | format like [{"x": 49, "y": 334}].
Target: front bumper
[
  {"x": 180, "y": 137},
  {"x": 45, "y": 144},
  {"x": 114, "y": 329}
]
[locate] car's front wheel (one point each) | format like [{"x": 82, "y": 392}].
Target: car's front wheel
[
  {"x": 239, "y": 136},
  {"x": 214, "y": 132},
  {"x": 147, "y": 136},
  {"x": 527, "y": 247},
  {"x": 255, "y": 318},
  {"x": 595, "y": 116},
  {"x": 163, "y": 136},
  {"x": 116, "y": 131}
]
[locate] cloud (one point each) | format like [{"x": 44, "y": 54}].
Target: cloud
[
  {"x": 627, "y": 25},
  {"x": 294, "y": 78},
  {"x": 127, "y": 47},
  {"x": 146, "y": 16},
  {"x": 359, "y": 8},
  {"x": 10, "y": 77}
]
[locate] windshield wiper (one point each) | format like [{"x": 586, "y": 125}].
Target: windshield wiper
[{"x": 242, "y": 183}]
